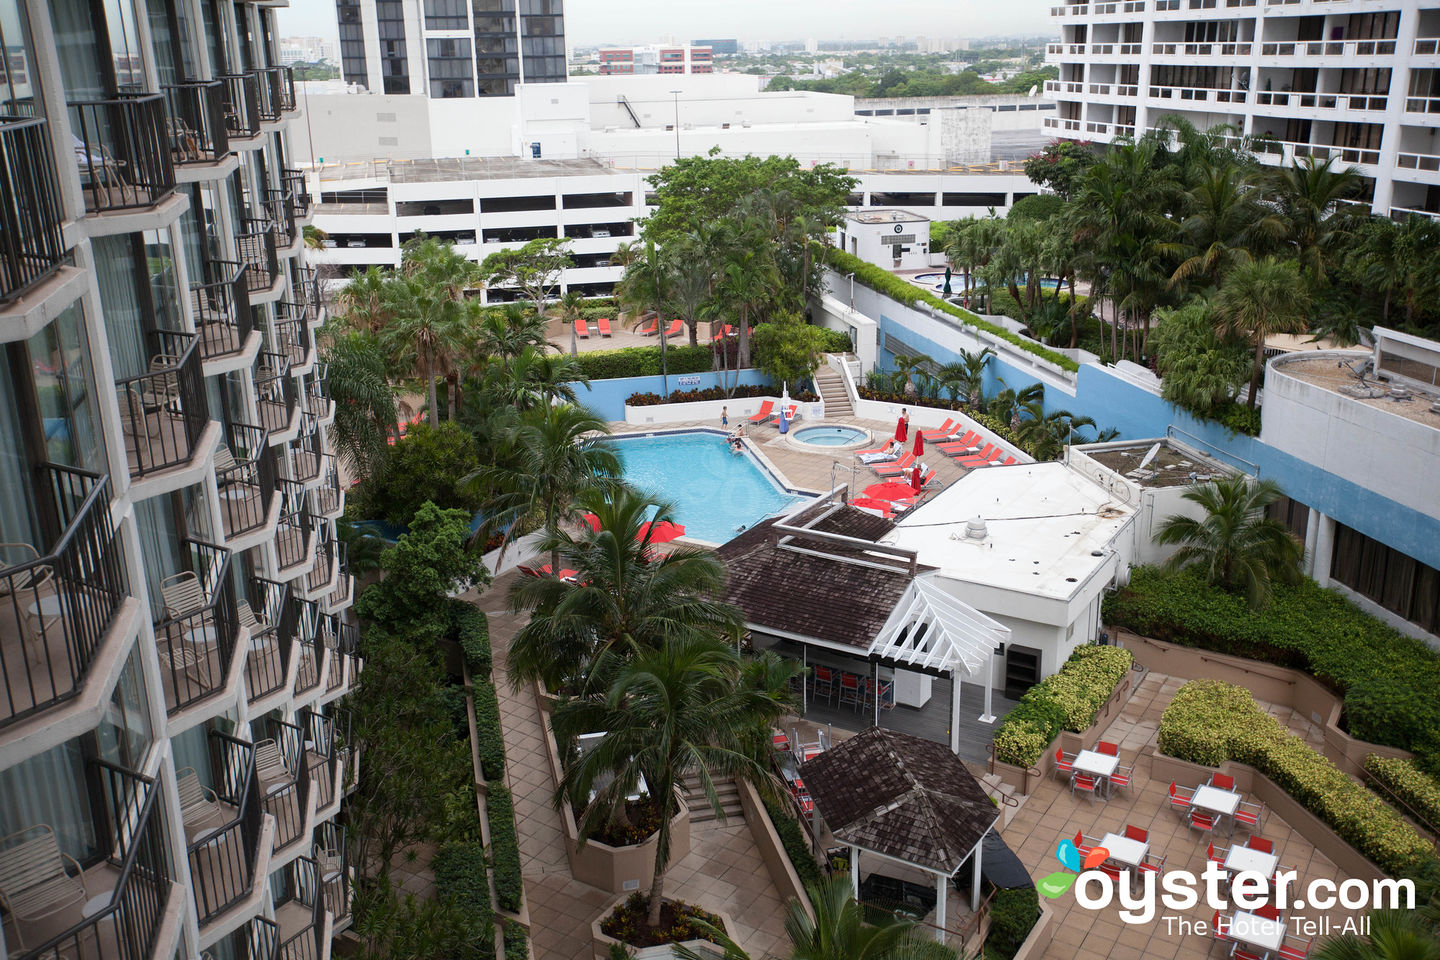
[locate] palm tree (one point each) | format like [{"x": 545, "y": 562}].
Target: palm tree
[
  {"x": 314, "y": 237},
  {"x": 692, "y": 283},
  {"x": 572, "y": 308},
  {"x": 1048, "y": 434},
  {"x": 1393, "y": 935},
  {"x": 643, "y": 286},
  {"x": 749, "y": 280},
  {"x": 502, "y": 332},
  {"x": 365, "y": 410},
  {"x": 1258, "y": 299},
  {"x": 624, "y": 597},
  {"x": 1224, "y": 221},
  {"x": 676, "y": 710},
  {"x": 1235, "y": 545},
  {"x": 558, "y": 453},
  {"x": 363, "y": 303},
  {"x": 1402, "y": 260},
  {"x": 431, "y": 323},
  {"x": 1008, "y": 403},
  {"x": 1310, "y": 194}
]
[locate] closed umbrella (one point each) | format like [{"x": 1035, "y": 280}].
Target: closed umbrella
[
  {"x": 900, "y": 433},
  {"x": 946, "y": 291},
  {"x": 919, "y": 443},
  {"x": 915, "y": 483}
]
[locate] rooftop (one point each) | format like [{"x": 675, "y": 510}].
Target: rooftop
[
  {"x": 1170, "y": 465},
  {"x": 459, "y": 168},
  {"x": 1047, "y": 529},
  {"x": 1340, "y": 372},
  {"x": 885, "y": 216}
]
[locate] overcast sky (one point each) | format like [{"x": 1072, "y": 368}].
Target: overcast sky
[{"x": 646, "y": 21}]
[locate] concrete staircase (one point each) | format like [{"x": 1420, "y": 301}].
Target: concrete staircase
[
  {"x": 699, "y": 804},
  {"x": 832, "y": 390}
]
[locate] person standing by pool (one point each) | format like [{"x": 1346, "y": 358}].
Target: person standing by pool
[{"x": 724, "y": 416}]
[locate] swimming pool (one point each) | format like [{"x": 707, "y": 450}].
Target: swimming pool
[
  {"x": 713, "y": 490},
  {"x": 830, "y": 436}
]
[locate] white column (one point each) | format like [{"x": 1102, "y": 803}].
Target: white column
[
  {"x": 1324, "y": 547},
  {"x": 975, "y": 876},
  {"x": 941, "y": 889},
  {"x": 954, "y": 711},
  {"x": 986, "y": 678},
  {"x": 855, "y": 872},
  {"x": 1312, "y": 530}
]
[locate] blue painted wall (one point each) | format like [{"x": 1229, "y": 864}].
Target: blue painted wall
[{"x": 607, "y": 397}]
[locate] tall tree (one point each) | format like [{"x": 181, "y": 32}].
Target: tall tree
[
  {"x": 534, "y": 269},
  {"x": 1261, "y": 298},
  {"x": 365, "y": 414},
  {"x": 1310, "y": 194}
]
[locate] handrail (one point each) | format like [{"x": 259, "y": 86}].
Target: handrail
[
  {"x": 224, "y": 861},
  {"x": 151, "y": 404},
  {"x": 32, "y": 246},
  {"x": 289, "y": 803},
  {"x": 256, "y": 243},
  {"x": 222, "y": 308},
  {"x": 84, "y": 576},
  {"x": 244, "y": 513},
  {"x": 275, "y": 387},
  {"x": 241, "y": 104},
  {"x": 198, "y": 646},
  {"x": 122, "y": 151},
  {"x": 267, "y": 665},
  {"x": 303, "y": 886},
  {"x": 196, "y": 121}
]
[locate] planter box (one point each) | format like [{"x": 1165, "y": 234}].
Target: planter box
[
  {"x": 740, "y": 409},
  {"x": 772, "y": 851},
  {"x": 1040, "y": 936},
  {"x": 600, "y": 944}
]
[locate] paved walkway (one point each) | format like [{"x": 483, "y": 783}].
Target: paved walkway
[
  {"x": 723, "y": 870},
  {"x": 1051, "y": 814}
]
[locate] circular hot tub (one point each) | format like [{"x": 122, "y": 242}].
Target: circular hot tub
[{"x": 830, "y": 436}]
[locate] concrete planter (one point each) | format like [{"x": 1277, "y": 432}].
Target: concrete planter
[
  {"x": 772, "y": 851},
  {"x": 740, "y": 410},
  {"x": 600, "y": 944},
  {"x": 1040, "y": 936}
]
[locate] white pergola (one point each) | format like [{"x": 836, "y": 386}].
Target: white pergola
[{"x": 932, "y": 631}]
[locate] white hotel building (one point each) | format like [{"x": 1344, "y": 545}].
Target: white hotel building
[{"x": 1358, "y": 80}]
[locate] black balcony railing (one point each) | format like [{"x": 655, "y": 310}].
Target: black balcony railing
[
  {"x": 276, "y": 394},
  {"x": 224, "y": 859},
  {"x": 223, "y": 318},
  {"x": 286, "y": 785},
  {"x": 256, "y": 940},
  {"x": 163, "y": 412},
  {"x": 323, "y": 758},
  {"x": 272, "y": 94},
  {"x": 127, "y": 921},
  {"x": 31, "y": 245},
  {"x": 197, "y": 626},
  {"x": 281, "y": 214},
  {"x": 306, "y": 452},
  {"x": 293, "y": 538},
  {"x": 307, "y": 677},
  {"x": 291, "y": 334},
  {"x": 324, "y": 567},
  {"x": 329, "y": 496},
  {"x": 248, "y": 481},
  {"x": 123, "y": 151},
  {"x": 304, "y": 900},
  {"x": 241, "y": 101},
  {"x": 272, "y": 637},
  {"x": 293, "y": 183},
  {"x": 287, "y": 88},
  {"x": 256, "y": 243},
  {"x": 196, "y": 121},
  {"x": 305, "y": 288},
  {"x": 55, "y": 607},
  {"x": 332, "y": 854}
]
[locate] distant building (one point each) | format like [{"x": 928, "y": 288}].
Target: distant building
[
  {"x": 308, "y": 50},
  {"x": 718, "y": 46},
  {"x": 655, "y": 59},
  {"x": 893, "y": 239}
]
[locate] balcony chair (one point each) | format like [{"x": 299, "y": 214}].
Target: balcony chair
[
  {"x": 182, "y": 594},
  {"x": 101, "y": 173},
  {"x": 332, "y": 866},
  {"x": 270, "y": 767},
  {"x": 37, "y": 599},
  {"x": 200, "y": 811},
  {"x": 184, "y": 142},
  {"x": 162, "y": 387},
  {"x": 34, "y": 881}
]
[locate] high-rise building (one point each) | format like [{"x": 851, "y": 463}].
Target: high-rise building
[
  {"x": 173, "y": 597},
  {"x": 727, "y": 47},
  {"x": 1352, "y": 82},
  {"x": 448, "y": 49}
]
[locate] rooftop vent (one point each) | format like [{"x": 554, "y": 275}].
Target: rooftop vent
[{"x": 975, "y": 529}]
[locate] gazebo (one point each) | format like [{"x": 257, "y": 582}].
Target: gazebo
[{"x": 903, "y": 799}]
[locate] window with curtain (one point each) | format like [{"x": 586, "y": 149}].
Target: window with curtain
[
  {"x": 64, "y": 390},
  {"x": 159, "y": 533},
  {"x": 124, "y": 735},
  {"x": 81, "y": 48},
  {"x": 19, "y": 84},
  {"x": 125, "y": 304},
  {"x": 50, "y": 789},
  {"x": 19, "y": 521}
]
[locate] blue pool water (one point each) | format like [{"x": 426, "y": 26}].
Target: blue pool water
[
  {"x": 713, "y": 490},
  {"x": 829, "y": 436}
]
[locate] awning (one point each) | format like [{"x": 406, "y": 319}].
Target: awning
[{"x": 933, "y": 631}]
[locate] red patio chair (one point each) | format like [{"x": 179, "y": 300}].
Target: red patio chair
[
  {"x": 1085, "y": 784},
  {"x": 1152, "y": 864},
  {"x": 1178, "y": 799},
  {"x": 1063, "y": 763},
  {"x": 1215, "y": 856},
  {"x": 1135, "y": 833},
  {"x": 1237, "y": 954},
  {"x": 1295, "y": 948},
  {"x": 1220, "y": 927},
  {"x": 1269, "y": 911},
  {"x": 1222, "y": 781},
  {"x": 1203, "y": 822},
  {"x": 1249, "y": 815},
  {"x": 1107, "y": 748},
  {"x": 1261, "y": 844},
  {"x": 1122, "y": 776},
  {"x": 1082, "y": 845}
]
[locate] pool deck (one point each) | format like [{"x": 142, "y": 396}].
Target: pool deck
[{"x": 813, "y": 469}]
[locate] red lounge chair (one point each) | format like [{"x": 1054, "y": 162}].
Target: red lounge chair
[
  {"x": 528, "y": 571},
  {"x": 581, "y": 330},
  {"x": 963, "y": 456},
  {"x": 896, "y": 468},
  {"x": 674, "y": 329},
  {"x": 962, "y": 446},
  {"x": 944, "y": 430},
  {"x": 604, "y": 325},
  {"x": 766, "y": 414},
  {"x": 862, "y": 453},
  {"x": 564, "y": 574},
  {"x": 790, "y": 412},
  {"x": 648, "y": 329},
  {"x": 725, "y": 331},
  {"x": 1178, "y": 799},
  {"x": 927, "y": 479},
  {"x": 984, "y": 460},
  {"x": 1009, "y": 461}
]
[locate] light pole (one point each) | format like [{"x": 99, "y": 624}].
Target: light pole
[
  {"x": 676, "y": 95},
  {"x": 852, "y": 293}
]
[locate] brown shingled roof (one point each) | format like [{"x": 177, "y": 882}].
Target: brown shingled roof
[
  {"x": 813, "y": 596},
  {"x": 902, "y": 796}
]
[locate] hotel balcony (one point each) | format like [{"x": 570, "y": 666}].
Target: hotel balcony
[
  {"x": 277, "y": 397},
  {"x": 300, "y": 914},
  {"x": 342, "y": 639},
  {"x": 163, "y": 412},
  {"x": 277, "y": 208},
  {"x": 122, "y": 148},
  {"x": 223, "y": 319},
  {"x": 31, "y": 244},
  {"x": 277, "y": 92},
  {"x": 307, "y": 453},
  {"x": 248, "y": 483},
  {"x": 120, "y": 902},
  {"x": 242, "y": 106},
  {"x": 305, "y": 287},
  {"x": 302, "y": 205},
  {"x": 292, "y": 335},
  {"x": 312, "y": 655},
  {"x": 324, "y": 573},
  {"x": 317, "y": 396},
  {"x": 59, "y": 601},
  {"x": 271, "y": 650},
  {"x": 296, "y": 536},
  {"x": 199, "y": 137},
  {"x": 324, "y": 746},
  {"x": 339, "y": 599},
  {"x": 227, "y": 838},
  {"x": 285, "y": 783},
  {"x": 337, "y": 876},
  {"x": 256, "y": 243},
  {"x": 330, "y": 495},
  {"x": 197, "y": 631}
]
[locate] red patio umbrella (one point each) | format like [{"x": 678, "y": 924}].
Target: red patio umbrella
[
  {"x": 873, "y": 503},
  {"x": 592, "y": 521},
  {"x": 919, "y": 443},
  {"x": 662, "y": 532},
  {"x": 890, "y": 490}
]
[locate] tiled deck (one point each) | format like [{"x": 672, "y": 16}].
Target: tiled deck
[{"x": 1050, "y": 814}]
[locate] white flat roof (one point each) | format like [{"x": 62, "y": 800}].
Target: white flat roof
[{"x": 1044, "y": 522}]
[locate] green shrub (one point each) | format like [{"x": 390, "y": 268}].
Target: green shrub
[
  {"x": 1013, "y": 913},
  {"x": 1419, "y": 791},
  {"x": 504, "y": 848},
  {"x": 793, "y": 839},
  {"x": 1238, "y": 418},
  {"x": 461, "y": 884},
  {"x": 517, "y": 941},
  {"x": 1388, "y": 679},
  {"x": 905, "y": 292},
  {"x": 645, "y": 361},
  {"x": 487, "y": 731},
  {"x": 1066, "y": 700},
  {"x": 1209, "y": 722},
  {"x": 713, "y": 393},
  {"x": 472, "y": 633}
]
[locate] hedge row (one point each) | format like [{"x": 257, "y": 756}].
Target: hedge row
[
  {"x": 644, "y": 361},
  {"x": 797, "y": 847},
  {"x": 504, "y": 848},
  {"x": 905, "y": 292},
  {"x": 715, "y": 393},
  {"x": 517, "y": 941},
  {"x": 1388, "y": 679},
  {"x": 1013, "y": 913},
  {"x": 1066, "y": 700},
  {"x": 490, "y": 740},
  {"x": 461, "y": 883},
  {"x": 472, "y": 633},
  {"x": 1209, "y": 722},
  {"x": 1419, "y": 790}
]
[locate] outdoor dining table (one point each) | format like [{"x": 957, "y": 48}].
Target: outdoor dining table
[
  {"x": 1098, "y": 765},
  {"x": 1127, "y": 851},
  {"x": 1218, "y": 801},
  {"x": 1248, "y": 858},
  {"x": 1257, "y": 931}
]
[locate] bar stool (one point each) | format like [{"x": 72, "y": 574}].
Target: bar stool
[
  {"x": 824, "y": 684},
  {"x": 850, "y": 691}
]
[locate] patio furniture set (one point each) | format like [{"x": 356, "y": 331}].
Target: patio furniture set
[
  {"x": 1095, "y": 773},
  {"x": 840, "y": 688},
  {"x": 1216, "y": 805}
]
